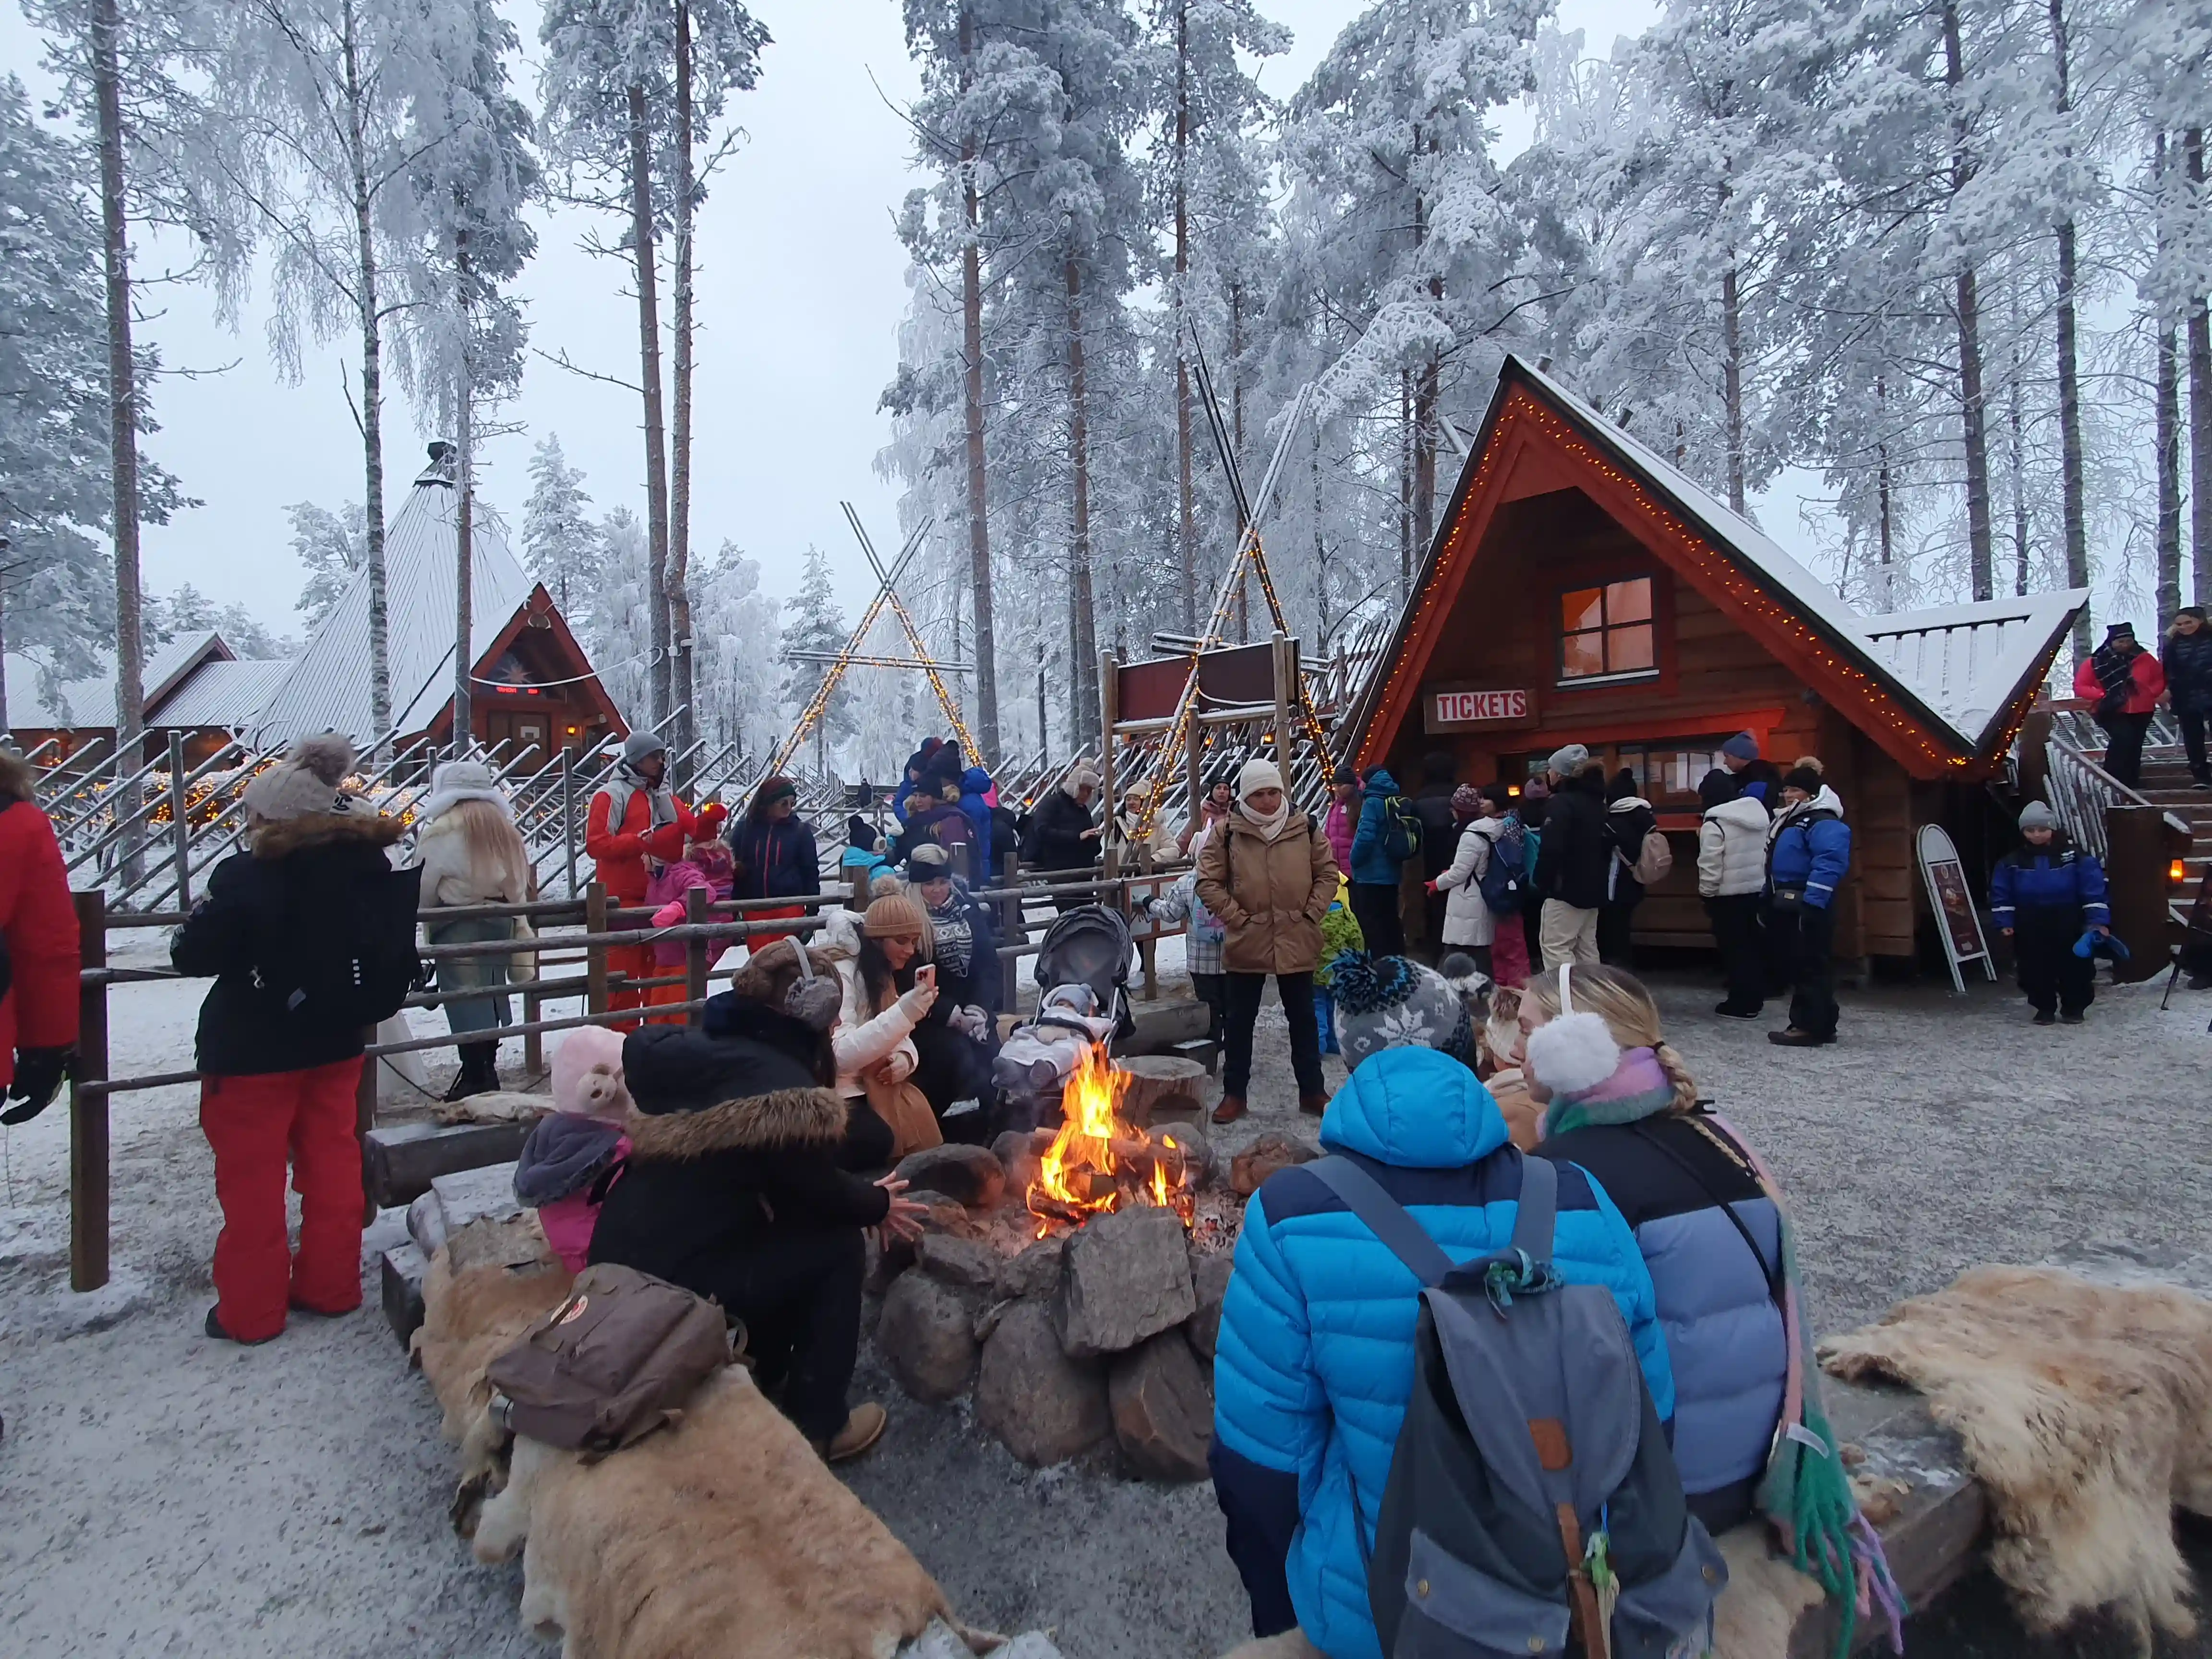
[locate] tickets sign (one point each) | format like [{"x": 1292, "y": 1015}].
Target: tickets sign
[{"x": 1460, "y": 708}]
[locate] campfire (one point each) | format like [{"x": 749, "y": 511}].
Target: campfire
[{"x": 1099, "y": 1162}]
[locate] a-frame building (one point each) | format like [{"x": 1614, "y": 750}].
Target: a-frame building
[{"x": 1582, "y": 589}]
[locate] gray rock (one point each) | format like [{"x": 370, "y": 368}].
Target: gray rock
[
  {"x": 1033, "y": 1273},
  {"x": 1209, "y": 1281},
  {"x": 1251, "y": 1168},
  {"x": 926, "y": 1336},
  {"x": 939, "y": 1641},
  {"x": 1123, "y": 1277},
  {"x": 1163, "y": 1408},
  {"x": 970, "y": 1175},
  {"x": 959, "y": 1262},
  {"x": 1044, "y": 1406},
  {"x": 1017, "y": 1152},
  {"x": 1029, "y": 1644}
]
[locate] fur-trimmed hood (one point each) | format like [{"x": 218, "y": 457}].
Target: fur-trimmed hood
[
  {"x": 783, "y": 1117},
  {"x": 280, "y": 837}
]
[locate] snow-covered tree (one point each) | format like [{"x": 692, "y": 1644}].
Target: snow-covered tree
[
  {"x": 813, "y": 624},
  {"x": 560, "y": 544},
  {"x": 331, "y": 546},
  {"x": 737, "y": 689}
]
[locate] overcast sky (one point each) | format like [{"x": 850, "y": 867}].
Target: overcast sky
[{"x": 801, "y": 289}]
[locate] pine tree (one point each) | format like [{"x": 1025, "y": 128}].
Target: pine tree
[
  {"x": 560, "y": 544},
  {"x": 815, "y": 625},
  {"x": 332, "y": 546}
]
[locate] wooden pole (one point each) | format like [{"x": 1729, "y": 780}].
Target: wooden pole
[
  {"x": 1282, "y": 708},
  {"x": 1194, "y": 739},
  {"x": 533, "y": 1043},
  {"x": 1010, "y": 931},
  {"x": 568, "y": 817},
  {"x": 1108, "y": 716},
  {"x": 88, "y": 1112},
  {"x": 2136, "y": 889},
  {"x": 695, "y": 900},
  {"x": 180, "y": 827},
  {"x": 595, "y": 956}
]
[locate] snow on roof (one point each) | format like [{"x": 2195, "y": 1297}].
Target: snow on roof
[
  {"x": 90, "y": 703},
  {"x": 222, "y": 693},
  {"x": 328, "y": 687},
  {"x": 1960, "y": 665},
  {"x": 1967, "y": 661}
]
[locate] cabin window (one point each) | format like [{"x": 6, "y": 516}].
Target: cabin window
[{"x": 1607, "y": 632}]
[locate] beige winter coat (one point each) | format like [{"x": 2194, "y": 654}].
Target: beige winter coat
[
  {"x": 1270, "y": 896},
  {"x": 450, "y": 878}
]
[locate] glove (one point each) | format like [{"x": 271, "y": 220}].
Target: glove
[
  {"x": 39, "y": 1073},
  {"x": 971, "y": 1021}
]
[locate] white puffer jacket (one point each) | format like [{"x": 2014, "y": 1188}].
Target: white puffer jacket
[
  {"x": 1468, "y": 920},
  {"x": 1732, "y": 849},
  {"x": 860, "y": 1040}
]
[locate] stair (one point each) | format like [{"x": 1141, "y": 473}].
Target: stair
[{"x": 2165, "y": 783}]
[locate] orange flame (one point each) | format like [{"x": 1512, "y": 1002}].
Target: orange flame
[{"x": 1079, "y": 1176}]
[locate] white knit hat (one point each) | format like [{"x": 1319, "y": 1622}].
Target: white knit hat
[
  {"x": 305, "y": 782},
  {"x": 1258, "y": 773},
  {"x": 1567, "y": 761}
]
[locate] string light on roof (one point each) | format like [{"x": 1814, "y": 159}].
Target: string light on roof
[{"x": 1522, "y": 407}]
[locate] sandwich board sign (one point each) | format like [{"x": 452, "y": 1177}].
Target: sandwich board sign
[{"x": 1957, "y": 921}]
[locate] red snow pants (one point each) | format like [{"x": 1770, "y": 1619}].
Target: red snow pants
[{"x": 255, "y": 1125}]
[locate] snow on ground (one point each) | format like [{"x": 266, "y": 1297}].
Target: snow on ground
[{"x": 162, "y": 1494}]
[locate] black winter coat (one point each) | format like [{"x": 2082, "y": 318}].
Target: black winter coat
[
  {"x": 1055, "y": 838},
  {"x": 1571, "y": 857},
  {"x": 733, "y": 1144},
  {"x": 1439, "y": 828},
  {"x": 1625, "y": 831},
  {"x": 245, "y": 1029},
  {"x": 2187, "y": 660},
  {"x": 774, "y": 860}
]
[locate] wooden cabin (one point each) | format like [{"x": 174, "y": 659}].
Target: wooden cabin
[{"x": 1580, "y": 589}]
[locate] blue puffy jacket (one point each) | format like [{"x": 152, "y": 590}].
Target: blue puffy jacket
[
  {"x": 1811, "y": 848},
  {"x": 1316, "y": 1355},
  {"x": 2058, "y": 877},
  {"x": 1725, "y": 1342},
  {"x": 975, "y": 784},
  {"x": 1370, "y": 863}
]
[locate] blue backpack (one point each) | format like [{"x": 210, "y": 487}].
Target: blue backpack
[{"x": 1505, "y": 879}]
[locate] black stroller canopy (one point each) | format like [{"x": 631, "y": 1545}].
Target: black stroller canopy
[{"x": 1089, "y": 944}]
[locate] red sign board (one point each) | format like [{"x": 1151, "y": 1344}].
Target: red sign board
[{"x": 1465, "y": 709}]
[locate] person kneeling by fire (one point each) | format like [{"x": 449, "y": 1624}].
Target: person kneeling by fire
[{"x": 738, "y": 1185}]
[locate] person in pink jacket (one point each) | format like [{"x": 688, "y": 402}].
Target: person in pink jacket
[
  {"x": 571, "y": 1151},
  {"x": 1342, "y": 822}
]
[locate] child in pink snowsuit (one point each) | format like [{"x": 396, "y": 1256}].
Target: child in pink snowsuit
[
  {"x": 706, "y": 864},
  {"x": 572, "y": 1148}
]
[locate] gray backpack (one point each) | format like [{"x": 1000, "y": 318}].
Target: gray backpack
[{"x": 1533, "y": 1505}]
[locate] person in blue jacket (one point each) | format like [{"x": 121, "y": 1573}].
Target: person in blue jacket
[
  {"x": 975, "y": 800},
  {"x": 1315, "y": 1358},
  {"x": 1808, "y": 853},
  {"x": 1374, "y": 872},
  {"x": 2042, "y": 898}
]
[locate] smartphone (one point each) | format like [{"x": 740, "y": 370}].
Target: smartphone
[{"x": 926, "y": 975}]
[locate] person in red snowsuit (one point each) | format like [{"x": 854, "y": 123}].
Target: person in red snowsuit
[
  {"x": 633, "y": 822},
  {"x": 278, "y": 1075},
  {"x": 39, "y": 957}
]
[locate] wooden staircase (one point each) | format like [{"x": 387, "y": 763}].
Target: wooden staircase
[{"x": 2165, "y": 783}]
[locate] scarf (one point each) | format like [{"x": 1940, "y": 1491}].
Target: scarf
[
  {"x": 954, "y": 935},
  {"x": 1271, "y": 824},
  {"x": 626, "y": 781},
  {"x": 1638, "y": 1088},
  {"x": 2115, "y": 670}
]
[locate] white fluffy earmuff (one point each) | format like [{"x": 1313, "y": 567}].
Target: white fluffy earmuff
[{"x": 1574, "y": 1052}]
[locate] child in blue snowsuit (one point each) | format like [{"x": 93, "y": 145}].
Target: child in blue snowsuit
[{"x": 2042, "y": 896}]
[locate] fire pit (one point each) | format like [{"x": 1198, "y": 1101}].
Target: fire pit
[{"x": 1071, "y": 1280}]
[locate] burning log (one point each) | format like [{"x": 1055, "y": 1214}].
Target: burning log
[{"x": 1098, "y": 1162}]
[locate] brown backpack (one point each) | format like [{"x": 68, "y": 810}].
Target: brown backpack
[{"x": 615, "y": 1361}]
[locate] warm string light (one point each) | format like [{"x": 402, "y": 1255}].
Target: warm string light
[{"x": 1521, "y": 406}]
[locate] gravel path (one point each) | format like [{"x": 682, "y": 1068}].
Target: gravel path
[{"x": 161, "y": 1494}]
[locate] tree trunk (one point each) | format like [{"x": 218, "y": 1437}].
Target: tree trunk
[
  {"x": 2075, "y": 506},
  {"x": 2200, "y": 411},
  {"x": 372, "y": 399},
  {"x": 464, "y": 554},
  {"x": 679, "y": 478},
  {"x": 1882, "y": 494},
  {"x": 122, "y": 393},
  {"x": 1973, "y": 416},
  {"x": 2019, "y": 466},
  {"x": 979, "y": 500},
  {"x": 1405, "y": 487},
  {"x": 1732, "y": 383},
  {"x": 1186, "y": 529},
  {"x": 656, "y": 445},
  {"x": 1084, "y": 631},
  {"x": 1424, "y": 409},
  {"x": 2167, "y": 454}
]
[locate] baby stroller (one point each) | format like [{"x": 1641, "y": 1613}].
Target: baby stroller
[{"x": 1082, "y": 981}]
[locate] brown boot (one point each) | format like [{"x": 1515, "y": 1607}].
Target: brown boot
[
  {"x": 864, "y": 1426},
  {"x": 1313, "y": 1105},
  {"x": 1232, "y": 1109}
]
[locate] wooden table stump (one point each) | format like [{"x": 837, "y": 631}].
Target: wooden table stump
[{"x": 1162, "y": 1089}]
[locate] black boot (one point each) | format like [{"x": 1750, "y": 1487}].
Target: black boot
[
  {"x": 487, "y": 1067},
  {"x": 479, "y": 1071}
]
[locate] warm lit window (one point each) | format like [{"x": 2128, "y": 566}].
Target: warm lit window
[{"x": 1606, "y": 631}]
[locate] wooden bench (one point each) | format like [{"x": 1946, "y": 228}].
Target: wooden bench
[{"x": 399, "y": 1161}]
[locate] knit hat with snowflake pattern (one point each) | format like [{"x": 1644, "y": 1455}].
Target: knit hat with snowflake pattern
[{"x": 1394, "y": 1002}]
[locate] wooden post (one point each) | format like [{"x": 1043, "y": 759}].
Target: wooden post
[
  {"x": 1283, "y": 712},
  {"x": 533, "y": 1043},
  {"x": 1148, "y": 948},
  {"x": 568, "y": 815},
  {"x": 595, "y": 956},
  {"x": 1010, "y": 933},
  {"x": 88, "y": 1111},
  {"x": 180, "y": 827},
  {"x": 695, "y": 900},
  {"x": 1193, "y": 744},
  {"x": 2134, "y": 878},
  {"x": 364, "y": 1119},
  {"x": 1109, "y": 711},
  {"x": 2035, "y": 754}
]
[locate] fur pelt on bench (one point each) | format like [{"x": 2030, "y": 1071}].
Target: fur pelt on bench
[
  {"x": 726, "y": 1537},
  {"x": 2085, "y": 1413}
]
